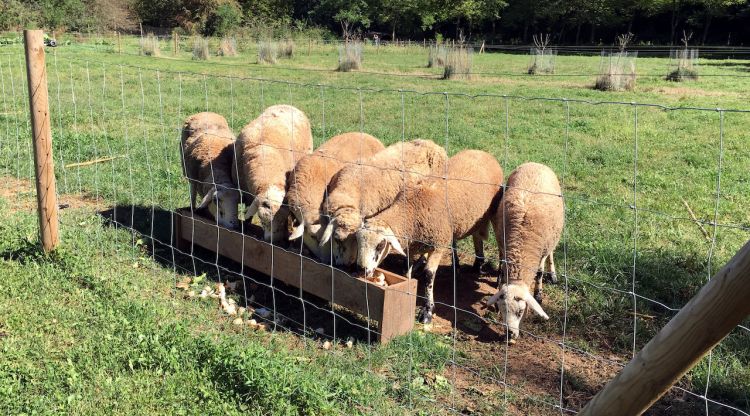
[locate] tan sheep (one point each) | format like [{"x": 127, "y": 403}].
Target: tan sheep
[
  {"x": 267, "y": 149},
  {"x": 309, "y": 180},
  {"x": 358, "y": 192},
  {"x": 207, "y": 162},
  {"x": 529, "y": 222},
  {"x": 429, "y": 218}
]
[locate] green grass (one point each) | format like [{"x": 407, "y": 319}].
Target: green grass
[
  {"x": 83, "y": 331},
  {"x": 130, "y": 107}
]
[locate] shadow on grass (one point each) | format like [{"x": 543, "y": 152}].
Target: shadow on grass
[{"x": 301, "y": 314}]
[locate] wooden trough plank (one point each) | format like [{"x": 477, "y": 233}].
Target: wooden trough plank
[{"x": 392, "y": 306}]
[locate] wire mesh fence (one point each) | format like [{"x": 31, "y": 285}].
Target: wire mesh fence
[{"x": 653, "y": 203}]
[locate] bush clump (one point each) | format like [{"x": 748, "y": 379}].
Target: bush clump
[
  {"x": 286, "y": 49},
  {"x": 350, "y": 56},
  {"x": 228, "y": 46},
  {"x": 268, "y": 52},
  {"x": 200, "y": 49},
  {"x": 458, "y": 63},
  {"x": 150, "y": 45},
  {"x": 436, "y": 57},
  {"x": 617, "y": 72}
]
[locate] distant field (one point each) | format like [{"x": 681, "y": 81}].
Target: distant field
[{"x": 630, "y": 162}]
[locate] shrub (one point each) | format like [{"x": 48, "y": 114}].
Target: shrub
[
  {"x": 683, "y": 64},
  {"x": 227, "y": 47},
  {"x": 286, "y": 49},
  {"x": 267, "y": 52},
  {"x": 350, "y": 56},
  {"x": 542, "y": 61},
  {"x": 617, "y": 72},
  {"x": 200, "y": 49},
  {"x": 436, "y": 57},
  {"x": 458, "y": 63},
  {"x": 150, "y": 45}
]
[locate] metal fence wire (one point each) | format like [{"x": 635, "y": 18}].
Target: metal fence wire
[{"x": 654, "y": 199}]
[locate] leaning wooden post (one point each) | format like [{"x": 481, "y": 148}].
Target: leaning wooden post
[
  {"x": 709, "y": 316},
  {"x": 46, "y": 193}
]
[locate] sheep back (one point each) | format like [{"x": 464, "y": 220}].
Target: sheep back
[
  {"x": 529, "y": 219},
  {"x": 207, "y": 150},
  {"x": 436, "y": 211},
  {"x": 309, "y": 179},
  {"x": 270, "y": 146}
]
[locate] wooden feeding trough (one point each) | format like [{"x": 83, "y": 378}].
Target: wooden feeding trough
[{"x": 392, "y": 306}]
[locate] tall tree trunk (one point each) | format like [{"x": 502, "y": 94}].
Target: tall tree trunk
[
  {"x": 526, "y": 32},
  {"x": 630, "y": 24},
  {"x": 593, "y": 33},
  {"x": 578, "y": 33},
  {"x": 706, "y": 26},
  {"x": 393, "y": 31},
  {"x": 673, "y": 22}
]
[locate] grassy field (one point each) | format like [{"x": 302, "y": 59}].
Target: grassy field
[{"x": 99, "y": 326}]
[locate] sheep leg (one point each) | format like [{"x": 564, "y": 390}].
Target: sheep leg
[
  {"x": 538, "y": 281},
  {"x": 193, "y": 194},
  {"x": 479, "y": 259},
  {"x": 551, "y": 275},
  {"x": 428, "y": 279}
]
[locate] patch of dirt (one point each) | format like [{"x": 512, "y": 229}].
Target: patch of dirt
[
  {"x": 531, "y": 368},
  {"x": 21, "y": 197},
  {"x": 691, "y": 92}
]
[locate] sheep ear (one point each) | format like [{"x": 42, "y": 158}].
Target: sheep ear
[
  {"x": 535, "y": 306},
  {"x": 494, "y": 299},
  {"x": 327, "y": 233},
  {"x": 207, "y": 199},
  {"x": 395, "y": 244},
  {"x": 252, "y": 209},
  {"x": 314, "y": 228},
  {"x": 297, "y": 231}
]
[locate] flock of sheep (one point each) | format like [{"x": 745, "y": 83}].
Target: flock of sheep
[{"x": 353, "y": 201}]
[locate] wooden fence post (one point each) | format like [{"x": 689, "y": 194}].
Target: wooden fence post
[
  {"x": 46, "y": 193},
  {"x": 119, "y": 44},
  {"x": 709, "y": 316}
]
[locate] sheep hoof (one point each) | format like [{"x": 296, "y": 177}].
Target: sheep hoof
[
  {"x": 550, "y": 277},
  {"x": 477, "y": 267},
  {"x": 425, "y": 316}
]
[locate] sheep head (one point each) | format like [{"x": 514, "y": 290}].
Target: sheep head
[
  {"x": 268, "y": 206},
  {"x": 222, "y": 204},
  {"x": 374, "y": 242},
  {"x": 512, "y": 299},
  {"x": 339, "y": 232}
]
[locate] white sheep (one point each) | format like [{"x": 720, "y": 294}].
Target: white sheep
[
  {"x": 267, "y": 149},
  {"x": 358, "y": 192},
  {"x": 207, "y": 162},
  {"x": 529, "y": 223},
  {"x": 309, "y": 180},
  {"x": 430, "y": 217}
]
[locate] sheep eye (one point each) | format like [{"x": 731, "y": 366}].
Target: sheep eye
[
  {"x": 517, "y": 299},
  {"x": 380, "y": 247},
  {"x": 265, "y": 204}
]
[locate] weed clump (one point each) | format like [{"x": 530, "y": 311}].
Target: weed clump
[
  {"x": 267, "y": 52},
  {"x": 350, "y": 56},
  {"x": 542, "y": 58},
  {"x": 150, "y": 45},
  {"x": 437, "y": 56},
  {"x": 617, "y": 72},
  {"x": 458, "y": 62},
  {"x": 286, "y": 49},
  {"x": 683, "y": 62},
  {"x": 200, "y": 49},
  {"x": 228, "y": 46}
]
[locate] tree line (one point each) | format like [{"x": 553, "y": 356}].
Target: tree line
[{"x": 498, "y": 21}]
